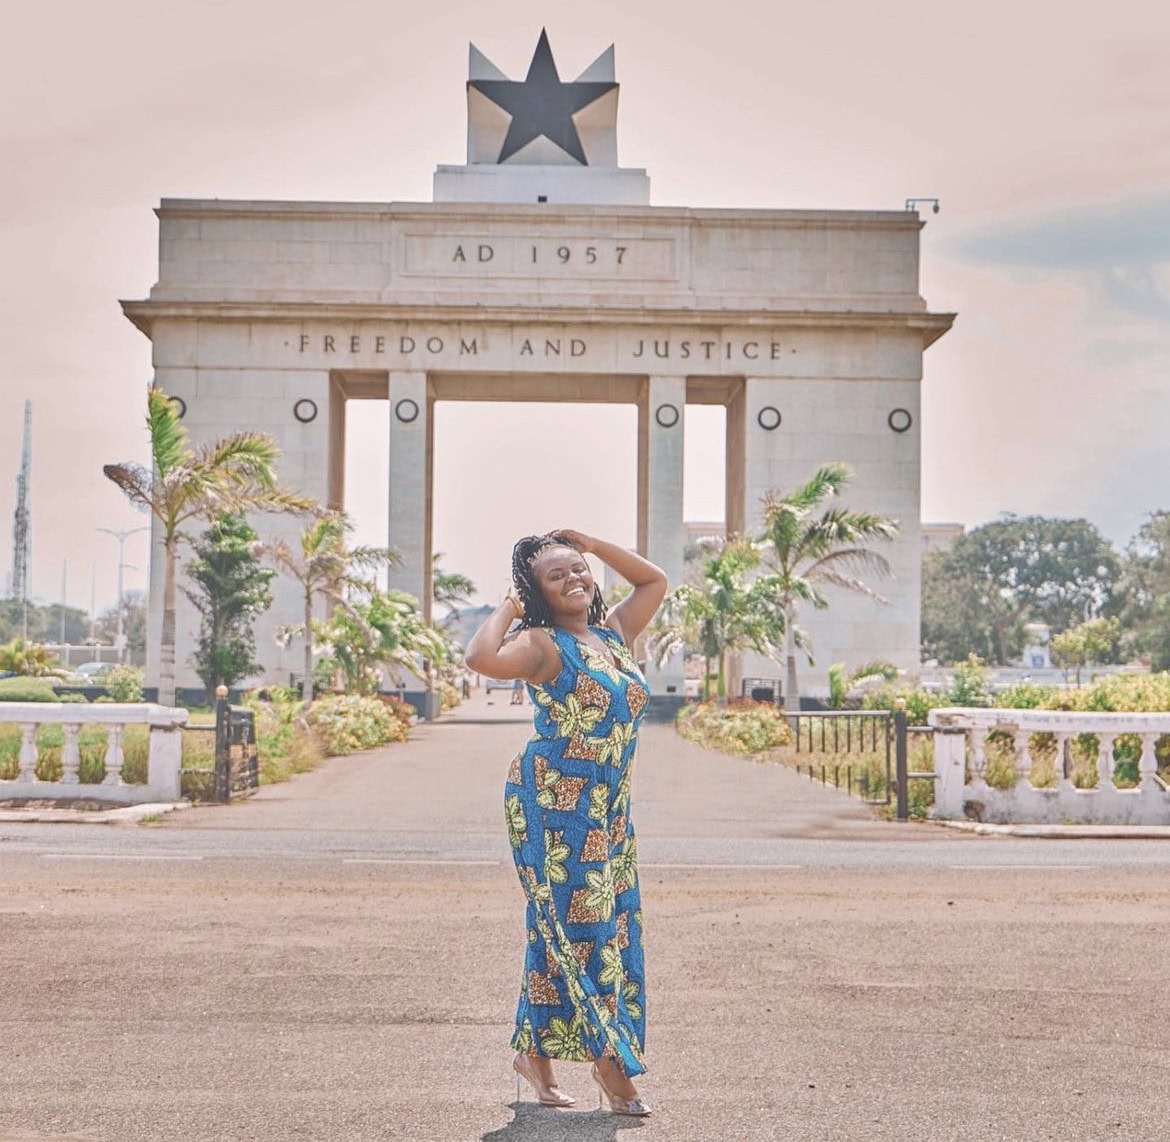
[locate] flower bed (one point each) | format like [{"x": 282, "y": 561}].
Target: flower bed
[
  {"x": 739, "y": 727},
  {"x": 348, "y": 723}
]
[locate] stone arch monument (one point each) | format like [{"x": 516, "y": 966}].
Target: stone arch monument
[{"x": 541, "y": 272}]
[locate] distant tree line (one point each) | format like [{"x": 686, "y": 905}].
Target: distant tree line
[
  {"x": 1100, "y": 604},
  {"x": 45, "y": 624}
]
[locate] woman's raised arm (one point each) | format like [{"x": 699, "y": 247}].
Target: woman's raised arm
[{"x": 527, "y": 654}]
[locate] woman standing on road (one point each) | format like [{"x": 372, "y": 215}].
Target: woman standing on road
[{"x": 567, "y": 803}]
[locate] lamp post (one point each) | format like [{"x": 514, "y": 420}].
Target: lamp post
[{"x": 121, "y": 537}]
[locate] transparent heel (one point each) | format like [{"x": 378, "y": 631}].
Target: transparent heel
[
  {"x": 547, "y": 1094},
  {"x": 636, "y": 1107}
]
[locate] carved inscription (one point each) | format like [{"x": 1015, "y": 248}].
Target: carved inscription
[
  {"x": 638, "y": 351},
  {"x": 560, "y": 256}
]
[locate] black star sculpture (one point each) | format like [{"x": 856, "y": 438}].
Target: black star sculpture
[{"x": 542, "y": 104}]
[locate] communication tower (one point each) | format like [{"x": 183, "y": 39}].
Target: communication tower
[{"x": 21, "y": 528}]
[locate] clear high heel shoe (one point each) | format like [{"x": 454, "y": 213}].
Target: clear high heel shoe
[
  {"x": 636, "y": 1107},
  {"x": 545, "y": 1095}
]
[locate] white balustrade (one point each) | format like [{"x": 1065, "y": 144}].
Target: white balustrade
[
  {"x": 164, "y": 754},
  {"x": 963, "y": 739}
]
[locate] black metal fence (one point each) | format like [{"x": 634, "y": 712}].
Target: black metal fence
[
  {"x": 872, "y": 743},
  {"x": 237, "y": 764},
  {"x": 865, "y": 739},
  {"x": 235, "y": 769}
]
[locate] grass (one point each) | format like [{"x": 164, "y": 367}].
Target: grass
[
  {"x": 1079, "y": 762},
  {"x": 760, "y": 732},
  {"x": 847, "y": 771},
  {"x": 92, "y": 743},
  {"x": 22, "y": 689}
]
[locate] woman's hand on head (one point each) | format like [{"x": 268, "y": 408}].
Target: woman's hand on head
[{"x": 578, "y": 539}]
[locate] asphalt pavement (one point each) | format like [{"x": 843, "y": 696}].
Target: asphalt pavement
[{"x": 338, "y": 958}]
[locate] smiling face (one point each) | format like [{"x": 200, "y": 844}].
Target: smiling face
[{"x": 564, "y": 579}]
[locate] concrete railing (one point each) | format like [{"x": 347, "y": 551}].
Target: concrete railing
[
  {"x": 961, "y": 751},
  {"x": 164, "y": 755}
]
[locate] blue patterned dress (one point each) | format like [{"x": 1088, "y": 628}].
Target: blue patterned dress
[{"x": 567, "y": 802}]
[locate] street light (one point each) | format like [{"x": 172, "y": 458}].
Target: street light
[{"x": 121, "y": 537}]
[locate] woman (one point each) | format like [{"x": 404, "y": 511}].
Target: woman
[{"x": 567, "y": 805}]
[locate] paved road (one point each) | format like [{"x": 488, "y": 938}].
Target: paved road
[{"x": 337, "y": 959}]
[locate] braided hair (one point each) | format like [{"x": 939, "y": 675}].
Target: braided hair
[{"x": 537, "y": 612}]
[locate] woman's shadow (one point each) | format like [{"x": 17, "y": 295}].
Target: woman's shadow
[{"x": 535, "y": 1123}]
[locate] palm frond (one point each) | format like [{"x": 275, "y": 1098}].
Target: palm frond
[
  {"x": 850, "y": 583},
  {"x": 275, "y": 499},
  {"x": 135, "y": 482},
  {"x": 868, "y": 671},
  {"x": 169, "y": 444},
  {"x": 840, "y": 525},
  {"x": 241, "y": 458},
  {"x": 851, "y": 560},
  {"x": 374, "y": 557},
  {"x": 325, "y": 532}
]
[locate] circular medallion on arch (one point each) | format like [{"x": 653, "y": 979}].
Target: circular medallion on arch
[
  {"x": 406, "y": 410},
  {"x": 769, "y": 418},
  {"x": 666, "y": 415},
  {"x": 900, "y": 420},
  {"x": 180, "y": 406},
  {"x": 305, "y": 410}
]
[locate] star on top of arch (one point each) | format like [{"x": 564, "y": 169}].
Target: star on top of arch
[{"x": 542, "y": 106}]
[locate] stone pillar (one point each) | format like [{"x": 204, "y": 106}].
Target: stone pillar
[
  {"x": 779, "y": 433},
  {"x": 950, "y": 769},
  {"x": 164, "y": 761},
  {"x": 410, "y": 485},
  {"x": 661, "y": 535}
]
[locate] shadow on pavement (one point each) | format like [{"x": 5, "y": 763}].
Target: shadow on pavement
[{"x": 533, "y": 1123}]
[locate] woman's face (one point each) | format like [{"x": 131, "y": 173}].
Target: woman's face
[{"x": 564, "y": 579}]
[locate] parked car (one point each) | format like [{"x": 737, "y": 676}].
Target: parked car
[
  {"x": 91, "y": 671},
  {"x": 490, "y": 684}
]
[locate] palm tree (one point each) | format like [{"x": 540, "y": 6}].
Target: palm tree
[
  {"x": 842, "y": 684},
  {"x": 235, "y": 474},
  {"x": 384, "y": 627},
  {"x": 720, "y": 613},
  {"x": 808, "y": 545},
  {"x": 449, "y": 587},
  {"x": 325, "y": 565}
]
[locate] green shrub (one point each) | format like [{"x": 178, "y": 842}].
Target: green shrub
[
  {"x": 740, "y": 727},
  {"x": 970, "y": 685},
  {"x": 1027, "y": 696},
  {"x": 919, "y": 703},
  {"x": 23, "y": 689},
  {"x": 350, "y": 722},
  {"x": 27, "y": 659},
  {"x": 124, "y": 683}
]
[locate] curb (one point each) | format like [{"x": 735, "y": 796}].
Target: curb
[
  {"x": 124, "y": 815},
  {"x": 1067, "y": 832}
]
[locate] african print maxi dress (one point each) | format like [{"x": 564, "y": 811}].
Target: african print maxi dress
[{"x": 567, "y": 802}]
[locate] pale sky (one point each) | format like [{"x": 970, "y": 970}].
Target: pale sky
[{"x": 1043, "y": 127}]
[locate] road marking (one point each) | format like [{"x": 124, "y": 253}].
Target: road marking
[
  {"x": 1027, "y": 867},
  {"x": 116, "y": 856},
  {"x": 407, "y": 860}
]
